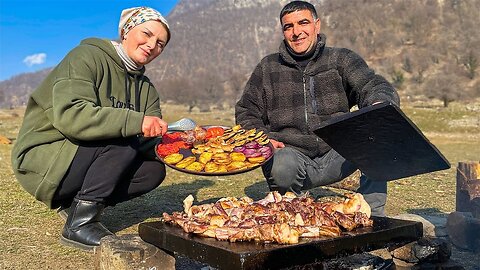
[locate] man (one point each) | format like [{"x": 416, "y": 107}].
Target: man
[{"x": 292, "y": 91}]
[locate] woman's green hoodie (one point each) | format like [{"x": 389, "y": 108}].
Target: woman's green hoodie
[{"x": 89, "y": 96}]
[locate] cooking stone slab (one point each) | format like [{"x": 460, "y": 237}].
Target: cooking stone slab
[
  {"x": 251, "y": 255},
  {"x": 383, "y": 142}
]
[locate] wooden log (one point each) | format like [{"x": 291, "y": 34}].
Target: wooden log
[{"x": 468, "y": 185}]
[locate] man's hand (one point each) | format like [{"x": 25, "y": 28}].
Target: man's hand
[
  {"x": 153, "y": 126},
  {"x": 277, "y": 144}
]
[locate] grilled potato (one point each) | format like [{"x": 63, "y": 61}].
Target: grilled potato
[
  {"x": 220, "y": 156},
  {"x": 237, "y": 156},
  {"x": 173, "y": 158},
  {"x": 257, "y": 160},
  {"x": 185, "y": 162},
  {"x": 223, "y": 161},
  {"x": 195, "y": 166},
  {"x": 222, "y": 168},
  {"x": 205, "y": 157},
  {"x": 236, "y": 165},
  {"x": 211, "y": 167}
]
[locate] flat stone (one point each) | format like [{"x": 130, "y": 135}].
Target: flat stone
[
  {"x": 405, "y": 253},
  {"x": 464, "y": 230},
  {"x": 383, "y": 253},
  {"x": 433, "y": 226},
  {"x": 129, "y": 252}
]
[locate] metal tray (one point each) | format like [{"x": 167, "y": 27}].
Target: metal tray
[
  {"x": 251, "y": 255},
  {"x": 188, "y": 152}
]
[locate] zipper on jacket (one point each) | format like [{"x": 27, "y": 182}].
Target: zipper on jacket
[{"x": 305, "y": 98}]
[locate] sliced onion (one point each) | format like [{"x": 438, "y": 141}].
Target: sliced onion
[
  {"x": 266, "y": 154},
  {"x": 252, "y": 145},
  {"x": 239, "y": 149},
  {"x": 251, "y": 153},
  {"x": 264, "y": 149}
]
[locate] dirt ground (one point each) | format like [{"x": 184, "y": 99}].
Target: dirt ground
[{"x": 29, "y": 232}]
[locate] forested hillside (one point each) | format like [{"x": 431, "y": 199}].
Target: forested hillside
[{"x": 426, "y": 48}]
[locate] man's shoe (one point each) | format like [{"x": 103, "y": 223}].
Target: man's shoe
[{"x": 83, "y": 228}]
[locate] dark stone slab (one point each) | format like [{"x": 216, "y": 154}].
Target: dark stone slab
[
  {"x": 383, "y": 142},
  {"x": 464, "y": 230},
  {"x": 251, "y": 255}
]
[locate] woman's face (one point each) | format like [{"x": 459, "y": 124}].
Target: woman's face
[{"x": 145, "y": 41}]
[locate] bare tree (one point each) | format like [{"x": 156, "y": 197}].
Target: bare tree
[{"x": 444, "y": 87}]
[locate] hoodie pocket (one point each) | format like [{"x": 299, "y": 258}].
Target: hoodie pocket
[{"x": 41, "y": 158}]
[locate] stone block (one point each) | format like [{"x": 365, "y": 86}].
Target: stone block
[
  {"x": 433, "y": 226},
  {"x": 464, "y": 230},
  {"x": 130, "y": 252}
]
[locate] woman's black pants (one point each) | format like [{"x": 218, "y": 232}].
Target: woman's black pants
[{"x": 108, "y": 172}]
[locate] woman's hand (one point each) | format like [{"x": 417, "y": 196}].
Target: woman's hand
[
  {"x": 277, "y": 144},
  {"x": 153, "y": 126}
]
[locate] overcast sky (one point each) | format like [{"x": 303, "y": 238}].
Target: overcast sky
[{"x": 36, "y": 34}]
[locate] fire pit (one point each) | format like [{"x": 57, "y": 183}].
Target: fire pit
[{"x": 251, "y": 255}]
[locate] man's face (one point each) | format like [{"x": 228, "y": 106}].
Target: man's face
[{"x": 300, "y": 30}]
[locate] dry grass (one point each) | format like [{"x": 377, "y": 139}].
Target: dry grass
[{"x": 29, "y": 231}]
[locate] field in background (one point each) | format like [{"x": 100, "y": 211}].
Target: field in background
[{"x": 29, "y": 232}]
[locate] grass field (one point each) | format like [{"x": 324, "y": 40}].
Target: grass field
[{"x": 29, "y": 232}]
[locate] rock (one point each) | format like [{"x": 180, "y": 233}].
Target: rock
[
  {"x": 405, "y": 253},
  {"x": 432, "y": 250},
  {"x": 464, "y": 230},
  {"x": 427, "y": 249},
  {"x": 475, "y": 205},
  {"x": 129, "y": 252},
  {"x": 382, "y": 253},
  {"x": 433, "y": 226}
]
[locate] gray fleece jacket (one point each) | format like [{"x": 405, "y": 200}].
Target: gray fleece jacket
[{"x": 287, "y": 101}]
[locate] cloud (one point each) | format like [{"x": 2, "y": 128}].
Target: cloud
[{"x": 35, "y": 59}]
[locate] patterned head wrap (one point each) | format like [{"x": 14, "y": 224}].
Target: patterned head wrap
[{"x": 132, "y": 17}]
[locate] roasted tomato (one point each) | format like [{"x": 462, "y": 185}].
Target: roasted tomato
[
  {"x": 182, "y": 145},
  {"x": 171, "y": 137},
  {"x": 164, "y": 150},
  {"x": 214, "y": 132}
]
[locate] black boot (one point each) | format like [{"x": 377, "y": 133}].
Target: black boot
[
  {"x": 64, "y": 210},
  {"x": 83, "y": 228}
]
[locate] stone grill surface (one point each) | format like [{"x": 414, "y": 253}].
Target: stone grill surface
[{"x": 251, "y": 255}]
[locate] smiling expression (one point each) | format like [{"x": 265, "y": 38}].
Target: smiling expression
[
  {"x": 300, "y": 30},
  {"x": 145, "y": 41}
]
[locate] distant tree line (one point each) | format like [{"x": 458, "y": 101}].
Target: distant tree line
[{"x": 425, "y": 48}]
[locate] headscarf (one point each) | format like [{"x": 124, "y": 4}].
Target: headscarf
[{"x": 132, "y": 17}]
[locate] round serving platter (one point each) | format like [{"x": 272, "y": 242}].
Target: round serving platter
[{"x": 188, "y": 152}]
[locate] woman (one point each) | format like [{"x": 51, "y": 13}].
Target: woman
[{"x": 81, "y": 144}]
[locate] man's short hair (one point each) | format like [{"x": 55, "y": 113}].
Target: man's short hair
[{"x": 297, "y": 6}]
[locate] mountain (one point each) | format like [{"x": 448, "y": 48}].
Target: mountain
[{"x": 426, "y": 48}]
